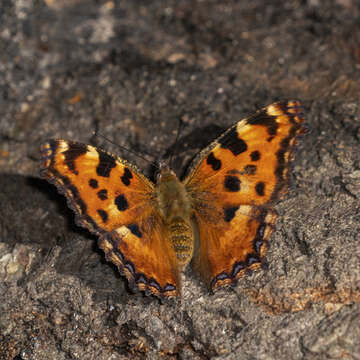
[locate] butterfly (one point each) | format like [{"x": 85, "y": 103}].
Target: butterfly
[{"x": 219, "y": 218}]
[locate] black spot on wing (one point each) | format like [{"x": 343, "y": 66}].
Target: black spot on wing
[
  {"x": 234, "y": 172},
  {"x": 229, "y": 213},
  {"x": 102, "y": 194},
  {"x": 232, "y": 183},
  {"x": 255, "y": 155},
  {"x": 232, "y": 142},
  {"x": 238, "y": 266},
  {"x": 282, "y": 164},
  {"x": 126, "y": 177},
  {"x": 134, "y": 228},
  {"x": 269, "y": 121},
  {"x": 252, "y": 259},
  {"x": 285, "y": 143},
  {"x": 284, "y": 155},
  {"x": 54, "y": 144},
  {"x": 213, "y": 162},
  {"x": 121, "y": 202},
  {"x": 65, "y": 186},
  {"x": 169, "y": 287},
  {"x": 105, "y": 165},
  {"x": 74, "y": 194},
  {"x": 219, "y": 277},
  {"x": 259, "y": 241},
  {"x": 260, "y": 188},
  {"x": 259, "y": 238},
  {"x": 153, "y": 283},
  {"x": 93, "y": 183},
  {"x": 261, "y": 230},
  {"x": 140, "y": 278},
  {"x": 250, "y": 169},
  {"x": 48, "y": 152},
  {"x": 72, "y": 153},
  {"x": 130, "y": 266},
  {"x": 103, "y": 214},
  {"x": 257, "y": 245},
  {"x": 285, "y": 106},
  {"x": 126, "y": 267}
]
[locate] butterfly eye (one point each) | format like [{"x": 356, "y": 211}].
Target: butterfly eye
[
  {"x": 158, "y": 176},
  {"x": 163, "y": 172}
]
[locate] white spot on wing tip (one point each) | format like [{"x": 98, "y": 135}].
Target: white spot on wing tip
[
  {"x": 244, "y": 209},
  {"x": 92, "y": 152},
  {"x": 243, "y": 126},
  {"x": 123, "y": 231},
  {"x": 63, "y": 145},
  {"x": 273, "y": 110}
]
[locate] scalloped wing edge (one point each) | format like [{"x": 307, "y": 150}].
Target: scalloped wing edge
[
  {"x": 255, "y": 259},
  {"x": 136, "y": 280}
]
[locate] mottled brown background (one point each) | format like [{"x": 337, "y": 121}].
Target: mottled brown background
[{"x": 132, "y": 69}]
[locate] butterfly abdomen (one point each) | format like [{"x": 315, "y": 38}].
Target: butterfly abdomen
[
  {"x": 174, "y": 208},
  {"x": 182, "y": 239}
]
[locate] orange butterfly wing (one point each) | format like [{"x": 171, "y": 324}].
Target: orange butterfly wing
[
  {"x": 232, "y": 187},
  {"x": 113, "y": 200}
]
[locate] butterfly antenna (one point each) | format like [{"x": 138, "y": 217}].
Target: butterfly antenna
[
  {"x": 176, "y": 142},
  {"x": 96, "y": 133}
]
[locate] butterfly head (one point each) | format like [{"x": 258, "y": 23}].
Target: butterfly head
[{"x": 164, "y": 173}]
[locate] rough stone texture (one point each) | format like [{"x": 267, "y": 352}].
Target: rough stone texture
[{"x": 132, "y": 69}]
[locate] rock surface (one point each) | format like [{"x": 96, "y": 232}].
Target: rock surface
[{"x": 132, "y": 69}]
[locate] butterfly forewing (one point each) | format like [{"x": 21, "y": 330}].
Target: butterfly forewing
[{"x": 233, "y": 186}]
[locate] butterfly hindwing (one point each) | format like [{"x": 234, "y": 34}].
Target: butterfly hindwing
[
  {"x": 146, "y": 259},
  {"x": 233, "y": 247},
  {"x": 233, "y": 185},
  {"x": 112, "y": 199}
]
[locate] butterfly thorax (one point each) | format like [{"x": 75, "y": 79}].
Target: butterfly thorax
[{"x": 175, "y": 209}]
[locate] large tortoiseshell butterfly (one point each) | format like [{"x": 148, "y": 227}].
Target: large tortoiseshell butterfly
[{"x": 220, "y": 217}]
